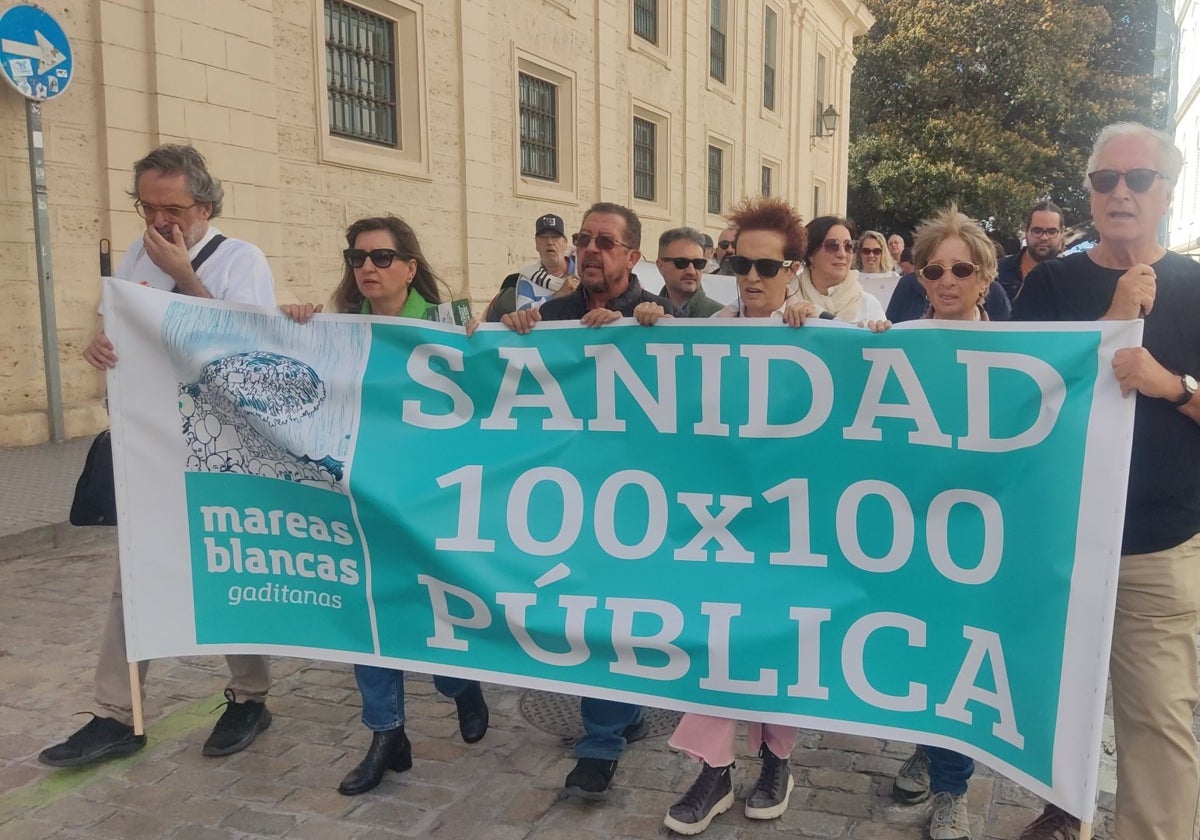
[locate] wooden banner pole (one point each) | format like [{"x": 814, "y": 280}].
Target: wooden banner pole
[{"x": 135, "y": 692}]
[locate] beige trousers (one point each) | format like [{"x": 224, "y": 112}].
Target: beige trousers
[
  {"x": 250, "y": 675},
  {"x": 1155, "y": 690}
]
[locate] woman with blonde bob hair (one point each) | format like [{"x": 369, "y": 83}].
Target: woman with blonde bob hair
[{"x": 955, "y": 263}]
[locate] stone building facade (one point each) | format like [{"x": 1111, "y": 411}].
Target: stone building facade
[{"x": 469, "y": 118}]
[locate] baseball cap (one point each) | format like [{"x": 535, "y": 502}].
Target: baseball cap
[{"x": 550, "y": 222}]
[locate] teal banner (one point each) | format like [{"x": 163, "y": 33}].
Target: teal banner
[{"x": 819, "y": 526}]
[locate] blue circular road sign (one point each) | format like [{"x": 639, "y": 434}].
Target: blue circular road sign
[{"x": 34, "y": 53}]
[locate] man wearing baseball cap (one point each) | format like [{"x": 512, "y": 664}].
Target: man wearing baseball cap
[{"x": 548, "y": 277}]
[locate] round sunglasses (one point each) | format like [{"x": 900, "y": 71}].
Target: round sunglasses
[
  {"x": 766, "y": 268},
  {"x": 962, "y": 270},
  {"x": 1138, "y": 180},
  {"x": 871, "y": 252},
  {"x": 381, "y": 257}
]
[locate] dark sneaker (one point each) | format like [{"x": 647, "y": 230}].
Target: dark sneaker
[
  {"x": 100, "y": 739},
  {"x": 590, "y": 779},
  {"x": 237, "y": 727},
  {"x": 472, "y": 714},
  {"x": 711, "y": 794},
  {"x": 948, "y": 819},
  {"x": 1053, "y": 824},
  {"x": 770, "y": 796},
  {"x": 911, "y": 784}
]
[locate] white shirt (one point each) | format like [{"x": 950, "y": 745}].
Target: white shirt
[{"x": 236, "y": 272}]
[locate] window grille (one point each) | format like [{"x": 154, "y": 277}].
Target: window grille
[
  {"x": 360, "y": 60},
  {"x": 539, "y": 128}
]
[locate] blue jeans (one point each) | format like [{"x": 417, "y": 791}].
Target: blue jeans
[
  {"x": 382, "y": 691},
  {"x": 949, "y": 771},
  {"x": 605, "y": 721}
]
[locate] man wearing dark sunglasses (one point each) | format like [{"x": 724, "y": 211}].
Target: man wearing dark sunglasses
[
  {"x": 607, "y": 248},
  {"x": 1043, "y": 241},
  {"x": 1131, "y": 174},
  {"x": 180, "y": 252},
  {"x": 726, "y": 248},
  {"x": 681, "y": 262}
]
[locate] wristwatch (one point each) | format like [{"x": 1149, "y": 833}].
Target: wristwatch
[{"x": 1189, "y": 390}]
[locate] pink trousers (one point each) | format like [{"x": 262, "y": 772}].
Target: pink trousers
[{"x": 710, "y": 739}]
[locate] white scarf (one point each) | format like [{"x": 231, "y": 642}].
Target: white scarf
[{"x": 843, "y": 301}]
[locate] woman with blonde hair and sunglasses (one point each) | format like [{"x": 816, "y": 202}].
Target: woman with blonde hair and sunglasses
[
  {"x": 955, "y": 263},
  {"x": 874, "y": 260},
  {"x": 828, "y": 281},
  {"x": 387, "y": 274}
]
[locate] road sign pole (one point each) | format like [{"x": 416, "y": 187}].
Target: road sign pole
[{"x": 41, "y": 241}]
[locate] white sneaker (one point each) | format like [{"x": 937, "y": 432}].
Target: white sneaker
[{"x": 948, "y": 820}]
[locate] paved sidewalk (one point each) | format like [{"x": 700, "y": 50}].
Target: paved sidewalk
[{"x": 53, "y": 593}]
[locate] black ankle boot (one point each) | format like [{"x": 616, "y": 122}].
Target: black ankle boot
[
  {"x": 472, "y": 714},
  {"x": 389, "y": 750}
]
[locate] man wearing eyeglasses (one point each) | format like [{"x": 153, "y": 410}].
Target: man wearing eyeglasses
[
  {"x": 607, "y": 248},
  {"x": 180, "y": 251},
  {"x": 726, "y": 248},
  {"x": 552, "y": 274},
  {"x": 1131, "y": 175},
  {"x": 681, "y": 262},
  {"x": 1043, "y": 241}
]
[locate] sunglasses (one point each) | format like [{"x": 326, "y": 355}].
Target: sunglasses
[
  {"x": 766, "y": 268},
  {"x": 603, "y": 241},
  {"x": 833, "y": 246},
  {"x": 1036, "y": 232},
  {"x": 871, "y": 252},
  {"x": 1138, "y": 180},
  {"x": 683, "y": 262},
  {"x": 725, "y": 243},
  {"x": 381, "y": 257},
  {"x": 962, "y": 270}
]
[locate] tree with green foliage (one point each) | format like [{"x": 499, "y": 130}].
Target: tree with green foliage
[{"x": 992, "y": 104}]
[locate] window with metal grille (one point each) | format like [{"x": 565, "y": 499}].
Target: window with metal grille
[
  {"x": 769, "y": 25},
  {"x": 644, "y": 151},
  {"x": 716, "y": 40},
  {"x": 716, "y": 173},
  {"x": 766, "y": 181},
  {"x": 645, "y": 19},
  {"x": 539, "y": 128},
  {"x": 360, "y": 61}
]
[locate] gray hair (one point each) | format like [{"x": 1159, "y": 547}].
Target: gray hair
[
  {"x": 1170, "y": 158},
  {"x": 676, "y": 234},
  {"x": 182, "y": 159}
]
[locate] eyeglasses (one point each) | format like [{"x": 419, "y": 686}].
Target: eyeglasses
[
  {"x": 603, "y": 241},
  {"x": 380, "y": 257},
  {"x": 766, "y": 268},
  {"x": 171, "y": 211},
  {"x": 962, "y": 270},
  {"x": 683, "y": 262},
  {"x": 726, "y": 243},
  {"x": 870, "y": 252},
  {"x": 1037, "y": 232},
  {"x": 833, "y": 246},
  {"x": 1138, "y": 180}
]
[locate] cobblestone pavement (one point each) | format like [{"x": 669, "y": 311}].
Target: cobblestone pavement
[{"x": 506, "y": 787}]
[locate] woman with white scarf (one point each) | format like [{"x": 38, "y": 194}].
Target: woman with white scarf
[{"x": 828, "y": 281}]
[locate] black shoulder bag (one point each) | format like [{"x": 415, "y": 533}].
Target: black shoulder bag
[{"x": 95, "y": 501}]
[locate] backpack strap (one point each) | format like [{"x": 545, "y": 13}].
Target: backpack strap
[{"x": 205, "y": 253}]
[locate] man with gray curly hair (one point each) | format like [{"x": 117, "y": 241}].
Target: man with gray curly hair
[{"x": 180, "y": 252}]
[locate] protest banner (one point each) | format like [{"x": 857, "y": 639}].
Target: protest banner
[{"x": 910, "y": 535}]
